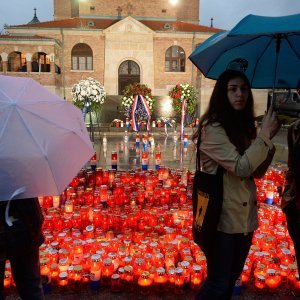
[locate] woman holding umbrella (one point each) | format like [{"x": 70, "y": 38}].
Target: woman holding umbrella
[{"x": 228, "y": 138}]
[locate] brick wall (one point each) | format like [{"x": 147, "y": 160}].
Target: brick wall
[
  {"x": 184, "y": 10},
  {"x": 62, "y": 9}
]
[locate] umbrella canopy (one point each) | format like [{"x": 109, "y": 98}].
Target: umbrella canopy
[
  {"x": 267, "y": 49},
  {"x": 43, "y": 140}
]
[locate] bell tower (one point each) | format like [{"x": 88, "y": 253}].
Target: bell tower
[
  {"x": 64, "y": 9},
  {"x": 160, "y": 10}
]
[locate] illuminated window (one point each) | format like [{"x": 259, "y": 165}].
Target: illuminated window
[
  {"x": 40, "y": 62},
  {"x": 16, "y": 62}
]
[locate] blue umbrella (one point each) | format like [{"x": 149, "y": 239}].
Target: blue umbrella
[{"x": 267, "y": 49}]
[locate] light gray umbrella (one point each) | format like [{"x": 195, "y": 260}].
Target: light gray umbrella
[{"x": 43, "y": 140}]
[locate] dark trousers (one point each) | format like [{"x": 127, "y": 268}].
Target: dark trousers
[
  {"x": 224, "y": 266},
  {"x": 26, "y": 274},
  {"x": 20, "y": 244},
  {"x": 293, "y": 226}
]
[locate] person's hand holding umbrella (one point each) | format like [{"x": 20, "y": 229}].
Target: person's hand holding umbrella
[{"x": 270, "y": 124}]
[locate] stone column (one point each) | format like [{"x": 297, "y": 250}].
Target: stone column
[
  {"x": 28, "y": 62},
  {"x": 52, "y": 63},
  {"x": 4, "y": 62}
]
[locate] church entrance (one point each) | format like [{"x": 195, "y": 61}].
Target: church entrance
[{"x": 129, "y": 72}]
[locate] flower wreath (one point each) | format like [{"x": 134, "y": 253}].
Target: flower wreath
[
  {"x": 180, "y": 92},
  {"x": 130, "y": 92},
  {"x": 88, "y": 91}
]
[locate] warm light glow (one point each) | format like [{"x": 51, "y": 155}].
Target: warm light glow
[
  {"x": 173, "y": 2},
  {"x": 167, "y": 105}
]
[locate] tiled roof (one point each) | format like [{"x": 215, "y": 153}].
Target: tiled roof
[
  {"x": 24, "y": 37},
  {"x": 95, "y": 23},
  {"x": 177, "y": 26}
]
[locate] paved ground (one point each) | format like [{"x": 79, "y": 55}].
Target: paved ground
[{"x": 173, "y": 153}]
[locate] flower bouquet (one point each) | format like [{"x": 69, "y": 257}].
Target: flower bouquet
[
  {"x": 129, "y": 94},
  {"x": 180, "y": 92},
  {"x": 90, "y": 93}
]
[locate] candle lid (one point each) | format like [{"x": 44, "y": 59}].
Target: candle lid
[
  {"x": 115, "y": 276},
  {"x": 54, "y": 266},
  {"x": 128, "y": 259},
  {"x": 95, "y": 257},
  {"x": 160, "y": 271},
  {"x": 44, "y": 260},
  {"x": 63, "y": 275},
  {"x": 196, "y": 268},
  {"x": 128, "y": 269},
  {"x": 185, "y": 264},
  {"x": 284, "y": 267},
  {"x": 63, "y": 261},
  {"x": 107, "y": 261},
  {"x": 89, "y": 228},
  {"x": 145, "y": 274},
  {"x": 148, "y": 255},
  {"x": 261, "y": 278},
  {"x": 112, "y": 255},
  {"x": 78, "y": 268}
]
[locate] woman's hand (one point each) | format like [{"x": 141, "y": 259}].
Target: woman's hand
[{"x": 270, "y": 124}]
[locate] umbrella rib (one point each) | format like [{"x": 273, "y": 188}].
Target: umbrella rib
[
  {"x": 5, "y": 124},
  {"x": 23, "y": 90},
  {"x": 292, "y": 47},
  {"x": 257, "y": 61},
  {"x": 6, "y": 95},
  {"x": 33, "y": 138}
]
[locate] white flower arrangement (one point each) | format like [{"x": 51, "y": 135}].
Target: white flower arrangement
[{"x": 88, "y": 92}]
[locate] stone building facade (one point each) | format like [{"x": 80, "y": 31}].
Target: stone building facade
[{"x": 115, "y": 42}]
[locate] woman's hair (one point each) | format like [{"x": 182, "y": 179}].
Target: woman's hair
[{"x": 238, "y": 125}]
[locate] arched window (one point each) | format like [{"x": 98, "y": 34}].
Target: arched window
[
  {"x": 82, "y": 57},
  {"x": 175, "y": 59},
  {"x": 40, "y": 62},
  {"x": 1, "y": 64},
  {"x": 16, "y": 62},
  {"x": 129, "y": 72}
]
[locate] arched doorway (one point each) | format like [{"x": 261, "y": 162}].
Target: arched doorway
[{"x": 129, "y": 72}]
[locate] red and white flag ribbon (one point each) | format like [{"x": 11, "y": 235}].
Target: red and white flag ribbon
[
  {"x": 136, "y": 99},
  {"x": 183, "y": 115}
]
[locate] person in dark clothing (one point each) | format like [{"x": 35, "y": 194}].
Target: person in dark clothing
[
  {"x": 20, "y": 237},
  {"x": 291, "y": 196}
]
